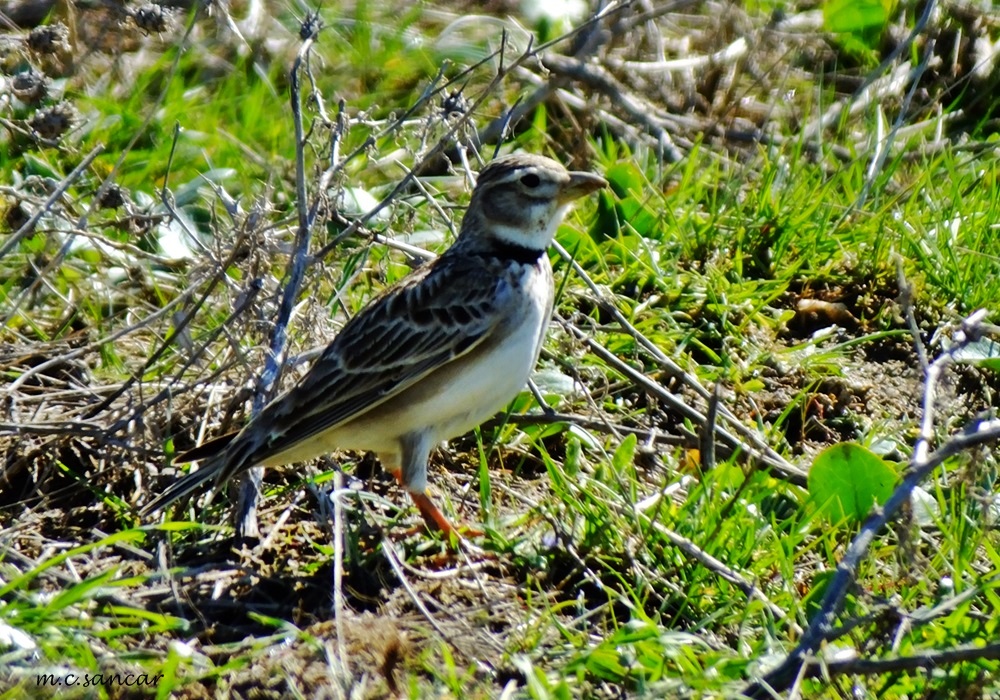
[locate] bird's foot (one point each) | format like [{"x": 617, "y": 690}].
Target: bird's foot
[{"x": 435, "y": 520}]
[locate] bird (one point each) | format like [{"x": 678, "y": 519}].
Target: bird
[{"x": 431, "y": 357}]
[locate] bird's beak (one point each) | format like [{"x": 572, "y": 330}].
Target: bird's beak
[{"x": 580, "y": 185}]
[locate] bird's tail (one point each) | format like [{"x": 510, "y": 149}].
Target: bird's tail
[
  {"x": 186, "y": 485},
  {"x": 205, "y": 450},
  {"x": 222, "y": 458}
]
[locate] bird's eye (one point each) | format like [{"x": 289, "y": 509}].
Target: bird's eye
[{"x": 531, "y": 181}]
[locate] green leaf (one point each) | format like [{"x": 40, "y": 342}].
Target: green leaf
[
  {"x": 86, "y": 589},
  {"x": 574, "y": 450},
  {"x": 983, "y": 353},
  {"x": 21, "y": 582},
  {"x": 855, "y": 16},
  {"x": 623, "y": 456},
  {"x": 813, "y": 601},
  {"x": 626, "y": 180},
  {"x": 625, "y": 205},
  {"x": 33, "y": 245},
  {"x": 485, "y": 485},
  {"x": 606, "y": 223},
  {"x": 847, "y": 479},
  {"x": 33, "y": 165}
]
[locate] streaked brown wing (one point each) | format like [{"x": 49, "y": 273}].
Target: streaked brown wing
[{"x": 415, "y": 328}]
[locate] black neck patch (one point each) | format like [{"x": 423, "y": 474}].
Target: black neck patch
[{"x": 505, "y": 250}]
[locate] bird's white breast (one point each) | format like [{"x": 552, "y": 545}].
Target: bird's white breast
[
  {"x": 464, "y": 392},
  {"x": 472, "y": 388},
  {"x": 500, "y": 370}
]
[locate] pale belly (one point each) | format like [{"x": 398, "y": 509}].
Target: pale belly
[{"x": 448, "y": 402}]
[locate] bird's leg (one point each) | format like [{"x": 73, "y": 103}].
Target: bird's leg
[
  {"x": 416, "y": 450},
  {"x": 436, "y": 520},
  {"x": 433, "y": 517},
  {"x": 431, "y": 514}
]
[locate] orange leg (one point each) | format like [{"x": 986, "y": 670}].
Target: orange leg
[{"x": 433, "y": 517}]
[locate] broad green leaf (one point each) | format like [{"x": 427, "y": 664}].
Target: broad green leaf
[
  {"x": 855, "y": 16},
  {"x": 847, "y": 479},
  {"x": 625, "y": 179},
  {"x": 34, "y": 165}
]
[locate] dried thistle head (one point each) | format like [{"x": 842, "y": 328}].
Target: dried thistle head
[
  {"x": 151, "y": 18},
  {"x": 455, "y": 104},
  {"x": 30, "y": 86},
  {"x": 15, "y": 215},
  {"x": 49, "y": 39},
  {"x": 52, "y": 122},
  {"x": 114, "y": 197}
]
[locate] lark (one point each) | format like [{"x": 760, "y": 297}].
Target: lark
[{"x": 431, "y": 357}]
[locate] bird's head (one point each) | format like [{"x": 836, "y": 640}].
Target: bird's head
[{"x": 520, "y": 199}]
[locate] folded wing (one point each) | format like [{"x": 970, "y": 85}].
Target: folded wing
[{"x": 397, "y": 340}]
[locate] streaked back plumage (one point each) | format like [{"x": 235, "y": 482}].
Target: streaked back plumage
[{"x": 433, "y": 355}]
